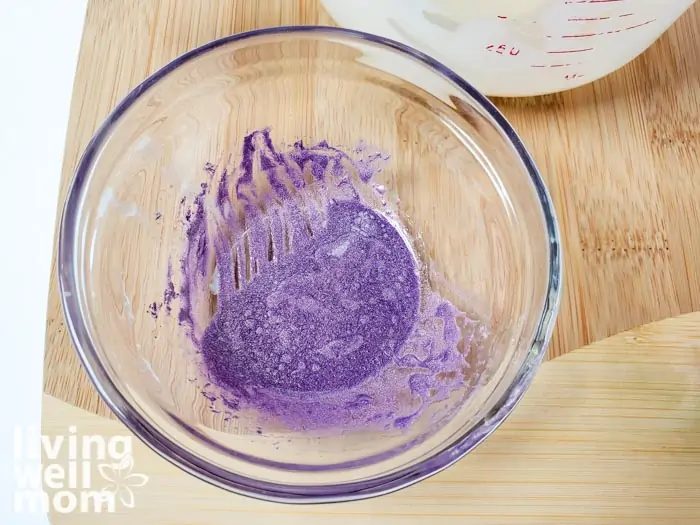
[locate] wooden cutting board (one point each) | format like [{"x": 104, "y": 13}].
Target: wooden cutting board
[
  {"x": 620, "y": 157},
  {"x": 609, "y": 434}
]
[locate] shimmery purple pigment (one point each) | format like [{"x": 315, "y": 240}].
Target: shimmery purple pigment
[
  {"x": 153, "y": 309},
  {"x": 320, "y": 319},
  {"x": 169, "y": 295},
  {"x": 323, "y": 317}
]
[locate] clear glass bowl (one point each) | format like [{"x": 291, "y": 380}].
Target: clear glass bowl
[{"x": 436, "y": 161}]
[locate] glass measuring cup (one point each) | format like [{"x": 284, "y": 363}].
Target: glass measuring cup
[{"x": 518, "y": 47}]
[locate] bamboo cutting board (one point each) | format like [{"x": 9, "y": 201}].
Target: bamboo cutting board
[
  {"x": 620, "y": 158},
  {"x": 609, "y": 434}
]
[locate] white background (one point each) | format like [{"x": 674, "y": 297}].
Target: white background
[{"x": 39, "y": 41}]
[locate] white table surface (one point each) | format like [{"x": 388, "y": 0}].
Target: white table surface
[{"x": 39, "y": 41}]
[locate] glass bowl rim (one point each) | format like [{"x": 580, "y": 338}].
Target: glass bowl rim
[{"x": 280, "y": 492}]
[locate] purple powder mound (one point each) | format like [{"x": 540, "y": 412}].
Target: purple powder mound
[
  {"x": 324, "y": 317},
  {"x": 303, "y": 301}
]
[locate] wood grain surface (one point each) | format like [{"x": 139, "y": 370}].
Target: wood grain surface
[
  {"x": 608, "y": 434},
  {"x": 619, "y": 156}
]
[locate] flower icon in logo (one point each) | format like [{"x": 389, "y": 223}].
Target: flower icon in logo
[{"x": 121, "y": 480}]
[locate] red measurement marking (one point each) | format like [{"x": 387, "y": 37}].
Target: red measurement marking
[
  {"x": 501, "y": 49},
  {"x": 596, "y": 18},
  {"x": 550, "y": 65},
  {"x": 502, "y": 17},
  {"x": 587, "y": 35},
  {"x": 640, "y": 25},
  {"x": 566, "y": 51},
  {"x": 580, "y": 36}
]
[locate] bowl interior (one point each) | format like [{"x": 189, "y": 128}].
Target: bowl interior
[{"x": 443, "y": 172}]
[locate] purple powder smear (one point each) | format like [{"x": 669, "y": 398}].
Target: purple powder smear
[
  {"x": 169, "y": 294},
  {"x": 320, "y": 319},
  {"x": 154, "y": 309}
]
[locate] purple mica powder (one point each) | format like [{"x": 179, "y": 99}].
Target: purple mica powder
[
  {"x": 323, "y": 317},
  {"x": 321, "y": 321}
]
